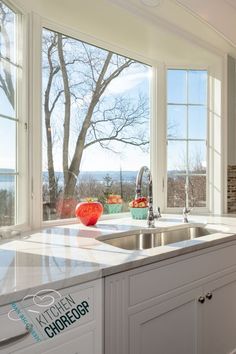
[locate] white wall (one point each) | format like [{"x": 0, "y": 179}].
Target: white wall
[
  {"x": 231, "y": 111},
  {"x": 112, "y": 24}
]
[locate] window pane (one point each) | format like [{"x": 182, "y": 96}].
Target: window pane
[
  {"x": 91, "y": 148},
  {"x": 186, "y": 120},
  {"x": 177, "y": 122},
  {"x": 7, "y": 145},
  {"x": 197, "y": 191},
  {"x": 177, "y": 86},
  {"x": 7, "y": 200},
  {"x": 197, "y": 86},
  {"x": 197, "y": 157},
  {"x": 177, "y": 157},
  {"x": 197, "y": 122},
  {"x": 175, "y": 191},
  {"x": 7, "y": 32},
  {"x": 7, "y": 94}
]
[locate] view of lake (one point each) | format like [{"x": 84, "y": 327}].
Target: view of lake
[{"x": 7, "y": 181}]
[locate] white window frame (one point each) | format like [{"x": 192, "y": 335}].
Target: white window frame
[
  {"x": 217, "y": 135},
  {"x": 37, "y": 25},
  {"x": 22, "y": 173},
  {"x": 197, "y": 210}
]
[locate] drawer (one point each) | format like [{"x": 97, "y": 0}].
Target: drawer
[
  {"x": 69, "y": 343},
  {"x": 51, "y": 315},
  {"x": 150, "y": 283}
]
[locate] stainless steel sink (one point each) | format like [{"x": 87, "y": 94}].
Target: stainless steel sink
[{"x": 140, "y": 241}]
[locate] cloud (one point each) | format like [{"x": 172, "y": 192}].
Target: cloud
[{"x": 126, "y": 82}]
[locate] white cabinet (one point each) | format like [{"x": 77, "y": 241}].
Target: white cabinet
[
  {"x": 167, "y": 328},
  {"x": 71, "y": 324},
  {"x": 219, "y": 316},
  {"x": 155, "y": 309}
]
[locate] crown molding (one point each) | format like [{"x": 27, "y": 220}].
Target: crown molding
[
  {"x": 157, "y": 21},
  {"x": 187, "y": 8},
  {"x": 232, "y": 3}
]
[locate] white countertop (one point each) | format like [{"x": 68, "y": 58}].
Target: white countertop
[{"x": 63, "y": 256}]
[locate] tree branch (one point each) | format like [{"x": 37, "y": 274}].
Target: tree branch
[
  {"x": 121, "y": 140},
  {"x": 115, "y": 74},
  {"x": 55, "y": 101}
]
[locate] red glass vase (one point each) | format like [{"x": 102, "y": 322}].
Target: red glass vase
[
  {"x": 89, "y": 212},
  {"x": 65, "y": 207}
]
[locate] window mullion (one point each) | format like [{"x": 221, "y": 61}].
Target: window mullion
[{"x": 187, "y": 147}]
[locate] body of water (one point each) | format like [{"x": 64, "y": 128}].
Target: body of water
[
  {"x": 7, "y": 182},
  {"x": 98, "y": 176}
]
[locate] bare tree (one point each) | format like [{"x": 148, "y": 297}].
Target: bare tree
[
  {"x": 196, "y": 183},
  {"x": 48, "y": 110},
  {"x": 78, "y": 75}
]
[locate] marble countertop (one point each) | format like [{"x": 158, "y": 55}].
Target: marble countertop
[{"x": 67, "y": 255}]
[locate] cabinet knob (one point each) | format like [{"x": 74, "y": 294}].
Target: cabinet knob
[
  {"x": 201, "y": 299},
  {"x": 209, "y": 296}
]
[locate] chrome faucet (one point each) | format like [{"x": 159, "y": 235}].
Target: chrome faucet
[
  {"x": 151, "y": 215},
  {"x": 186, "y": 209},
  {"x": 186, "y": 212}
]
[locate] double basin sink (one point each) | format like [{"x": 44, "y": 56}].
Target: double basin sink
[{"x": 150, "y": 239}]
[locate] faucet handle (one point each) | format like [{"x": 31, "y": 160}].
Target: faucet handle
[
  {"x": 157, "y": 214},
  {"x": 186, "y": 210}
]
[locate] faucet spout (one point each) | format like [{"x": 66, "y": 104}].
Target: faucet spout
[
  {"x": 138, "y": 194},
  {"x": 138, "y": 191}
]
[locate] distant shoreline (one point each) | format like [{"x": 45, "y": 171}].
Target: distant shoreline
[{"x": 98, "y": 176}]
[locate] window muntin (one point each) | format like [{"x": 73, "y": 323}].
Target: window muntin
[
  {"x": 10, "y": 72},
  {"x": 116, "y": 142},
  {"x": 186, "y": 138}
]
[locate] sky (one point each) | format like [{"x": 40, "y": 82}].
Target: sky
[{"x": 186, "y": 87}]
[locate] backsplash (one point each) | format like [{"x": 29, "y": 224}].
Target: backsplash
[{"x": 231, "y": 197}]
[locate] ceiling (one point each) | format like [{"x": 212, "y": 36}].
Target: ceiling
[
  {"x": 212, "y": 21},
  {"x": 220, "y": 14}
]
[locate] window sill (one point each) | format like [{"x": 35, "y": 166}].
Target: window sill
[
  {"x": 75, "y": 220},
  {"x": 195, "y": 211}
]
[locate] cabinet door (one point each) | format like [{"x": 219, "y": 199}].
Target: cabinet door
[
  {"x": 168, "y": 328},
  {"x": 219, "y": 317}
]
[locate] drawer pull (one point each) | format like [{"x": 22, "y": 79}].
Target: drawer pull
[
  {"x": 201, "y": 299},
  {"x": 11, "y": 340}
]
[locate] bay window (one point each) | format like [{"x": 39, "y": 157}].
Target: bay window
[{"x": 95, "y": 125}]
